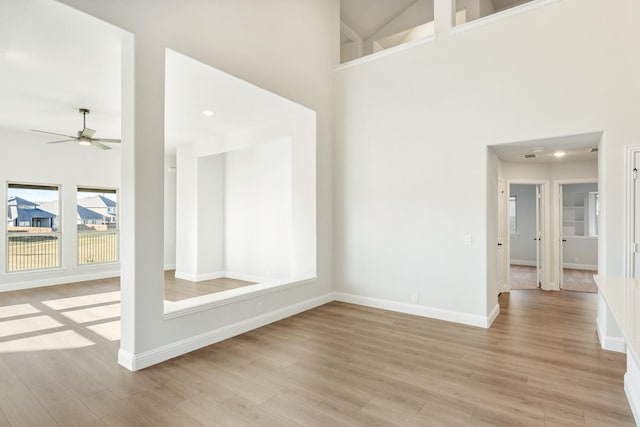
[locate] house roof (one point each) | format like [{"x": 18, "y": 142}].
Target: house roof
[
  {"x": 14, "y": 201},
  {"x": 97, "y": 202},
  {"x": 84, "y": 213}
]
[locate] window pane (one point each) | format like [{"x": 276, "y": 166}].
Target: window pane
[
  {"x": 33, "y": 238},
  {"x": 97, "y": 226}
]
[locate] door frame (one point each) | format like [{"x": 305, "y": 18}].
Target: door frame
[
  {"x": 629, "y": 238},
  {"x": 557, "y": 223},
  {"x": 546, "y": 232}
]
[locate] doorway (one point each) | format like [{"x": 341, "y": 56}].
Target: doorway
[
  {"x": 526, "y": 230},
  {"x": 578, "y": 255}
]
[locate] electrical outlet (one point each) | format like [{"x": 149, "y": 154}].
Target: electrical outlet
[
  {"x": 259, "y": 308},
  {"x": 415, "y": 297}
]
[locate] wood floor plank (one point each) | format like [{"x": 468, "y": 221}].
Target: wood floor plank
[{"x": 339, "y": 364}]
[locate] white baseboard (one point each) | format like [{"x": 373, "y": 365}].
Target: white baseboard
[
  {"x": 220, "y": 274},
  {"x": 493, "y": 315},
  {"x": 420, "y": 310},
  {"x": 135, "y": 362},
  {"x": 523, "y": 262},
  {"x": 610, "y": 343},
  {"x": 589, "y": 267},
  {"x": 61, "y": 280},
  {"x": 169, "y": 267},
  {"x": 632, "y": 386},
  {"x": 199, "y": 277}
]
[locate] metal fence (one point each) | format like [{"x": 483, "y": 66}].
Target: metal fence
[
  {"x": 95, "y": 247},
  {"x": 33, "y": 251}
]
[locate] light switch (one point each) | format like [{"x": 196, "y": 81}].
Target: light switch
[{"x": 467, "y": 240}]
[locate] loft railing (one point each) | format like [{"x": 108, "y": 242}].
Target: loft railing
[{"x": 97, "y": 247}]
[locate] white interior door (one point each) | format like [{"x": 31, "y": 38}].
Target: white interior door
[{"x": 539, "y": 232}]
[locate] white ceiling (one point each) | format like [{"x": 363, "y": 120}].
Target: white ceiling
[
  {"x": 576, "y": 147},
  {"x": 54, "y": 60},
  {"x": 239, "y": 108}
]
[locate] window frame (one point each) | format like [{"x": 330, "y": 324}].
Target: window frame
[
  {"x": 58, "y": 233},
  {"x": 115, "y": 231}
]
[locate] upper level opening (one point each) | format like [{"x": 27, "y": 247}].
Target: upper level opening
[{"x": 376, "y": 25}]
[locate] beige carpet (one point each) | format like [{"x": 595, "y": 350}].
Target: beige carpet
[{"x": 524, "y": 277}]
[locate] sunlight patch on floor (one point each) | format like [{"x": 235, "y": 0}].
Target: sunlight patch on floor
[
  {"x": 17, "y": 310},
  {"x": 109, "y": 331},
  {"x": 92, "y": 314},
  {"x": 53, "y": 341},
  {"x": 81, "y": 301},
  {"x": 30, "y": 324}
]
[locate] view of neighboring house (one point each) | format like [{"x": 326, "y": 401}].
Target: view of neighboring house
[
  {"x": 102, "y": 205},
  {"x": 97, "y": 214},
  {"x": 24, "y": 213}
]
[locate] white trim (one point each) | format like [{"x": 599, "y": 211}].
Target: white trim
[
  {"x": 384, "y": 53},
  {"x": 169, "y": 267},
  {"x": 610, "y": 343},
  {"x": 629, "y": 211},
  {"x": 580, "y": 266},
  {"x": 501, "y": 14},
  {"x": 523, "y": 262},
  {"x": 62, "y": 280},
  {"x": 493, "y": 314},
  {"x": 135, "y": 362},
  {"x": 420, "y": 310},
  {"x": 632, "y": 385},
  {"x": 205, "y": 302}
]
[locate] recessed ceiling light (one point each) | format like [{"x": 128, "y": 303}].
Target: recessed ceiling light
[
  {"x": 559, "y": 154},
  {"x": 208, "y": 113}
]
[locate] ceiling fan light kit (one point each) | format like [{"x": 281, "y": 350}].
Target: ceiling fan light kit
[{"x": 85, "y": 136}]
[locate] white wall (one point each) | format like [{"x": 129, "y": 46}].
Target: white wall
[
  {"x": 258, "y": 211},
  {"x": 292, "y": 59},
  {"x": 412, "y": 130},
  {"x": 170, "y": 213},
  {"x": 522, "y": 245},
  {"x": 210, "y": 205},
  {"x": 28, "y": 159}
]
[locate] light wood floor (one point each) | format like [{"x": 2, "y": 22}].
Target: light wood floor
[
  {"x": 336, "y": 365},
  {"x": 178, "y": 289}
]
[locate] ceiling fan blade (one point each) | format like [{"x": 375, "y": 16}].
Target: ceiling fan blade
[
  {"x": 87, "y": 133},
  {"x": 64, "y": 140},
  {"x": 115, "y": 141},
  {"x": 53, "y": 133},
  {"x": 100, "y": 146}
]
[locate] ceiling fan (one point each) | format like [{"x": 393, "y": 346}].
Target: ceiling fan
[{"x": 85, "y": 136}]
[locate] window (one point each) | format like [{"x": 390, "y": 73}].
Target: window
[
  {"x": 33, "y": 231},
  {"x": 97, "y": 226},
  {"x": 512, "y": 216}
]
